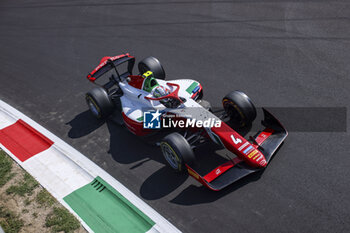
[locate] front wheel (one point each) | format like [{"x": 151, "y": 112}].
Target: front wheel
[
  {"x": 239, "y": 108},
  {"x": 177, "y": 152}
]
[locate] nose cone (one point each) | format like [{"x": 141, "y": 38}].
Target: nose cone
[
  {"x": 256, "y": 159},
  {"x": 262, "y": 163}
]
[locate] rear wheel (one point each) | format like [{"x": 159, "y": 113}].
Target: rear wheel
[
  {"x": 99, "y": 102},
  {"x": 239, "y": 108},
  {"x": 152, "y": 64},
  {"x": 177, "y": 152}
]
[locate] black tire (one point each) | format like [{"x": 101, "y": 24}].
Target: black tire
[
  {"x": 152, "y": 64},
  {"x": 239, "y": 107},
  {"x": 177, "y": 152},
  {"x": 99, "y": 103}
]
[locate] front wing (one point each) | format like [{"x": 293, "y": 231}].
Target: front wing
[{"x": 267, "y": 141}]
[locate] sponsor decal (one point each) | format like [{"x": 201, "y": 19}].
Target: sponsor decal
[
  {"x": 263, "y": 162},
  {"x": 259, "y": 158},
  {"x": 105, "y": 62},
  {"x": 191, "y": 87},
  {"x": 252, "y": 153},
  {"x": 195, "y": 175},
  {"x": 256, "y": 156},
  {"x": 249, "y": 148},
  {"x": 244, "y": 145},
  {"x": 218, "y": 171},
  {"x": 195, "y": 89},
  {"x": 236, "y": 140}
]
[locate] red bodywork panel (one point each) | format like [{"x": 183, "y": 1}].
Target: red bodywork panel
[
  {"x": 136, "y": 81},
  {"x": 221, "y": 169},
  {"x": 134, "y": 126},
  {"x": 263, "y": 136},
  {"x": 240, "y": 146}
]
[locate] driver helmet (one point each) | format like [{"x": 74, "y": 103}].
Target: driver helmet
[{"x": 160, "y": 91}]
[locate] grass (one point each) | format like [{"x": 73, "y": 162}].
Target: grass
[
  {"x": 24, "y": 211},
  {"x": 5, "y": 168},
  {"x": 61, "y": 220},
  {"x": 9, "y": 221},
  {"x": 26, "y": 186},
  {"x": 27, "y": 202},
  {"x": 44, "y": 198},
  {"x": 58, "y": 220}
]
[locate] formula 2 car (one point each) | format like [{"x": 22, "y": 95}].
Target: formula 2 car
[{"x": 146, "y": 100}]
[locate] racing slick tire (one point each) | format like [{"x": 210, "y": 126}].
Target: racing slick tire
[
  {"x": 152, "y": 64},
  {"x": 99, "y": 102},
  {"x": 239, "y": 108},
  {"x": 177, "y": 152}
]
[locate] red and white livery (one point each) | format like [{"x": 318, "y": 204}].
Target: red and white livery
[{"x": 134, "y": 95}]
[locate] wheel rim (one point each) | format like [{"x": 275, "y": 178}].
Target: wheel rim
[
  {"x": 170, "y": 156},
  {"x": 93, "y": 108},
  {"x": 233, "y": 113}
]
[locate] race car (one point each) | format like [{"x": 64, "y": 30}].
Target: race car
[{"x": 150, "y": 104}]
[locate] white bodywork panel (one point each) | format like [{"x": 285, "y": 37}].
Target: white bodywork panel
[{"x": 134, "y": 103}]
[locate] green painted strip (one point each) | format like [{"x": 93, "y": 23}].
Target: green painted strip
[
  {"x": 104, "y": 209},
  {"x": 191, "y": 87},
  {"x": 140, "y": 118}
]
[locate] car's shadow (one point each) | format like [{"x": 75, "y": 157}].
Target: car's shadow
[
  {"x": 126, "y": 148},
  {"x": 83, "y": 124},
  {"x": 193, "y": 195}
]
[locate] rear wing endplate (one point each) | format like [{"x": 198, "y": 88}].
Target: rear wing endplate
[{"x": 108, "y": 63}]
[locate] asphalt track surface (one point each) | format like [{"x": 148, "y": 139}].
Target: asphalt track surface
[{"x": 281, "y": 53}]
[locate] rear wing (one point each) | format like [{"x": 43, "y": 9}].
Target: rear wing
[{"x": 108, "y": 63}]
